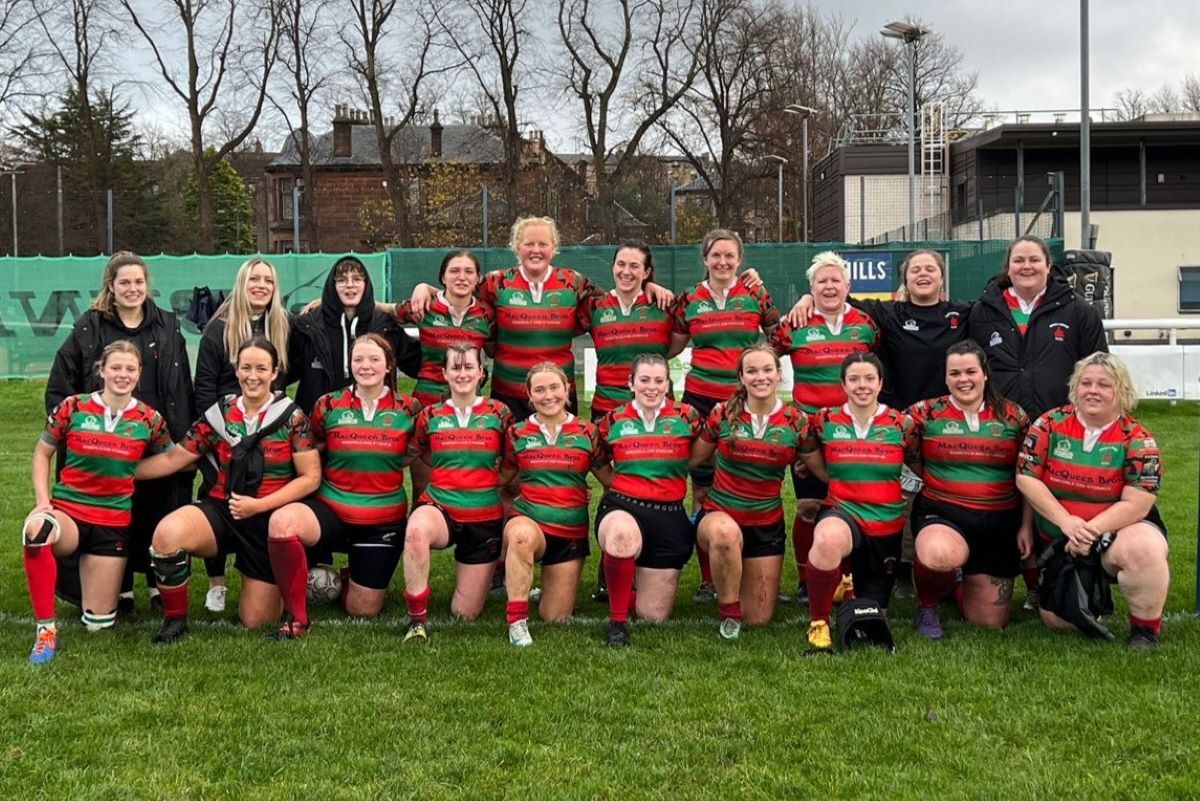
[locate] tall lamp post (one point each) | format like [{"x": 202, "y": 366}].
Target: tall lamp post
[
  {"x": 909, "y": 34},
  {"x": 782, "y": 161},
  {"x": 805, "y": 112}
]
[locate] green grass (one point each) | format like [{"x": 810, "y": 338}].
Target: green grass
[{"x": 348, "y": 713}]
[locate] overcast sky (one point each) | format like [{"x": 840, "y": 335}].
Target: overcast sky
[{"x": 1027, "y": 51}]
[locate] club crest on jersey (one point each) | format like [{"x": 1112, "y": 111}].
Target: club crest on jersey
[
  {"x": 952, "y": 319},
  {"x": 643, "y": 314},
  {"x": 841, "y": 432},
  {"x": 518, "y": 299},
  {"x": 1059, "y": 330},
  {"x": 996, "y": 429},
  {"x": 911, "y": 325},
  {"x": 1062, "y": 449},
  {"x": 1106, "y": 455},
  {"x": 953, "y": 427},
  {"x": 608, "y": 316},
  {"x": 90, "y": 423},
  {"x": 995, "y": 339},
  {"x": 854, "y": 333},
  {"x": 627, "y": 429},
  {"x": 346, "y": 416},
  {"x": 555, "y": 300},
  {"x": 813, "y": 335}
]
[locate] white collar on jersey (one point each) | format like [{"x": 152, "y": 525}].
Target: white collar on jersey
[
  {"x": 112, "y": 416},
  {"x": 551, "y": 438},
  {"x": 370, "y": 406},
  {"x": 464, "y": 415},
  {"x": 1026, "y": 308},
  {"x": 627, "y": 310},
  {"x": 535, "y": 287},
  {"x": 972, "y": 418},
  {"x": 456, "y": 316},
  {"x": 758, "y": 422},
  {"x": 835, "y": 324},
  {"x": 860, "y": 432},
  {"x": 1091, "y": 435},
  {"x": 649, "y": 421},
  {"x": 720, "y": 296}
]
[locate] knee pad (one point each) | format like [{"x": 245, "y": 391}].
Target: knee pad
[
  {"x": 173, "y": 569},
  {"x": 40, "y": 529},
  {"x": 93, "y": 621}
]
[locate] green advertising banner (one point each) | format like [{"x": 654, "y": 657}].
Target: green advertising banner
[{"x": 40, "y": 298}]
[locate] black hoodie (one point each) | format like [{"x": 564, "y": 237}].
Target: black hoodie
[{"x": 319, "y": 347}]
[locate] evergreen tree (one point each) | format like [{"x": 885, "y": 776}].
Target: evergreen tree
[{"x": 233, "y": 209}]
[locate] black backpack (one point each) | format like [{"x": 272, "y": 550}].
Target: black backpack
[{"x": 247, "y": 463}]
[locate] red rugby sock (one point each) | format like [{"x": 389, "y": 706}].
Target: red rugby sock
[
  {"x": 730, "y": 610},
  {"x": 290, "y": 566},
  {"x": 932, "y": 585},
  {"x": 517, "y": 610},
  {"x": 802, "y": 542},
  {"x": 418, "y": 605},
  {"x": 705, "y": 567},
  {"x": 620, "y": 573},
  {"x": 821, "y": 586},
  {"x": 174, "y": 600},
  {"x": 1154, "y": 625},
  {"x": 41, "y": 573}
]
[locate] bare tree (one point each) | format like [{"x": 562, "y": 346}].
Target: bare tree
[
  {"x": 383, "y": 76},
  {"x": 1189, "y": 92},
  {"x": 490, "y": 36},
  {"x": 718, "y": 127},
  {"x": 20, "y": 49},
  {"x": 1131, "y": 104},
  {"x": 627, "y": 70},
  {"x": 229, "y": 49},
  {"x": 307, "y": 60}
]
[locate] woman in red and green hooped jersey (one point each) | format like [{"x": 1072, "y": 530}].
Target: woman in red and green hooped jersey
[
  {"x": 721, "y": 316},
  {"x": 834, "y": 330},
  {"x": 462, "y": 438},
  {"x": 90, "y": 507},
  {"x": 551, "y": 452},
  {"x": 859, "y": 449},
  {"x": 233, "y": 517},
  {"x": 1091, "y": 472},
  {"x": 969, "y": 514},
  {"x": 360, "y": 508},
  {"x": 537, "y": 310},
  {"x": 640, "y": 523},
  {"x": 454, "y": 315},
  {"x": 757, "y": 439}
]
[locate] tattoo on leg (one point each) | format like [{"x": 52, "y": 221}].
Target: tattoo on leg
[{"x": 1004, "y": 590}]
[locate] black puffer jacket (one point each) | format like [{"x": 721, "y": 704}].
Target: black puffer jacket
[
  {"x": 1033, "y": 370},
  {"x": 320, "y": 343},
  {"x": 73, "y": 371}
]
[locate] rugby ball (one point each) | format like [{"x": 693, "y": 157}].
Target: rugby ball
[{"x": 324, "y": 585}]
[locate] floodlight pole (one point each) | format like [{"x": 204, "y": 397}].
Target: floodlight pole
[
  {"x": 910, "y": 34},
  {"x": 805, "y": 112},
  {"x": 1085, "y": 133},
  {"x": 782, "y": 161}
]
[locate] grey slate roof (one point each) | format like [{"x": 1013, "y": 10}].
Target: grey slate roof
[{"x": 470, "y": 144}]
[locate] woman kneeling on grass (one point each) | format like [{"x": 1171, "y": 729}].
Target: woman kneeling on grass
[
  {"x": 462, "y": 439},
  {"x": 1091, "y": 471},
  {"x": 361, "y": 507},
  {"x": 969, "y": 514},
  {"x": 640, "y": 523},
  {"x": 265, "y": 460},
  {"x": 757, "y": 438},
  {"x": 552, "y": 452},
  {"x": 859, "y": 449},
  {"x": 89, "y": 510}
]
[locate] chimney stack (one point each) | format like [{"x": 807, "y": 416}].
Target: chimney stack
[
  {"x": 435, "y": 137},
  {"x": 342, "y": 136}
]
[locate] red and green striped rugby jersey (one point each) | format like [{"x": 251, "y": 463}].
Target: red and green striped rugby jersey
[
  {"x": 533, "y": 327},
  {"x": 363, "y": 476},
  {"x": 817, "y": 353},
  {"x": 464, "y": 452},
  {"x": 650, "y": 464},
  {"x": 619, "y": 336},
  {"x": 1088, "y": 482},
  {"x": 720, "y": 333},
  {"x": 96, "y": 482},
  {"x": 553, "y": 475},
  {"x": 864, "y": 473},
  {"x": 750, "y": 469},
  {"x": 1020, "y": 317},
  {"x": 437, "y": 331},
  {"x": 970, "y": 469},
  {"x": 294, "y": 436}
]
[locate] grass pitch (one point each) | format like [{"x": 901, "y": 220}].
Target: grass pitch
[{"x": 348, "y": 713}]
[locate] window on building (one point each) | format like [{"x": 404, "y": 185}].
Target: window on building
[
  {"x": 283, "y": 197},
  {"x": 1189, "y": 288}
]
